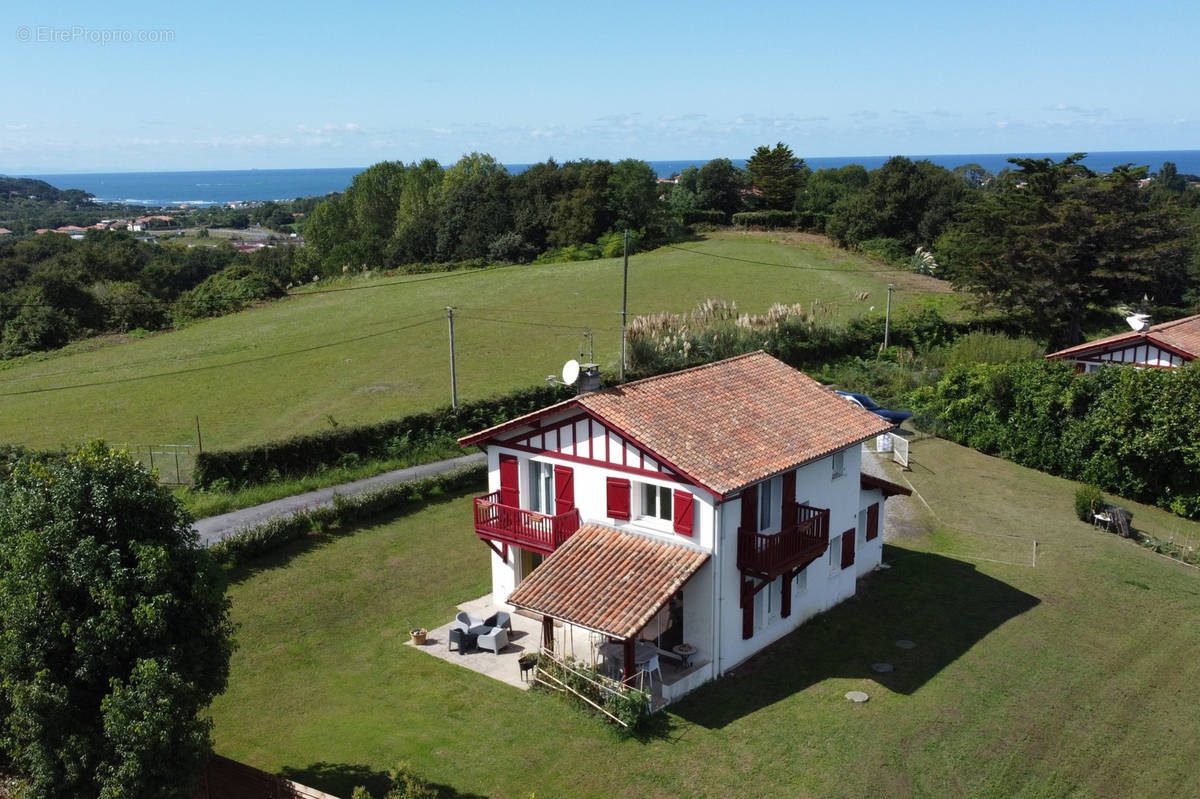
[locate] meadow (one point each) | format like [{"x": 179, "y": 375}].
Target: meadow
[
  {"x": 1052, "y": 660},
  {"x": 364, "y": 349}
]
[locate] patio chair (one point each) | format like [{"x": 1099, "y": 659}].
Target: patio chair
[
  {"x": 465, "y": 621},
  {"x": 648, "y": 669},
  {"x": 499, "y": 619},
  {"x": 495, "y": 639}
]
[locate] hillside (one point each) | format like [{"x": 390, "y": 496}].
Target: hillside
[{"x": 371, "y": 349}]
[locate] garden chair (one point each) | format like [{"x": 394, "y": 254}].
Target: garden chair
[
  {"x": 465, "y": 621},
  {"x": 499, "y": 619},
  {"x": 495, "y": 639},
  {"x": 648, "y": 669}
]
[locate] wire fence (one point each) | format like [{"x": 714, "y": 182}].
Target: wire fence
[{"x": 171, "y": 462}]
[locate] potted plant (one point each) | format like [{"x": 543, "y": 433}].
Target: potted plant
[
  {"x": 418, "y": 635},
  {"x": 527, "y": 661}
]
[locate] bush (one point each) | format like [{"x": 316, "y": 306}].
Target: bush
[
  {"x": 707, "y": 216},
  {"x": 890, "y": 251},
  {"x": 304, "y": 454},
  {"x": 250, "y": 542},
  {"x": 767, "y": 220},
  {"x": 1088, "y": 502}
]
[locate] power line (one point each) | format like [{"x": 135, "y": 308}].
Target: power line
[
  {"x": 209, "y": 367},
  {"x": 783, "y": 266}
]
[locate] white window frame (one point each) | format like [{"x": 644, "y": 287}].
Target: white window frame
[
  {"x": 663, "y": 495},
  {"x": 541, "y": 487},
  {"x": 835, "y": 553},
  {"x": 839, "y": 464},
  {"x": 768, "y": 502},
  {"x": 860, "y": 533}
]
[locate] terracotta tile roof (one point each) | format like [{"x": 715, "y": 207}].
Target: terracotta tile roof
[
  {"x": 1180, "y": 334},
  {"x": 726, "y": 424},
  {"x": 607, "y": 581}
]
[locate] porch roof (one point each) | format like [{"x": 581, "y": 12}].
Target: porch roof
[
  {"x": 889, "y": 489},
  {"x": 608, "y": 581}
]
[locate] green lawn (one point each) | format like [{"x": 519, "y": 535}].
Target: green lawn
[
  {"x": 1072, "y": 677},
  {"x": 353, "y": 356}
]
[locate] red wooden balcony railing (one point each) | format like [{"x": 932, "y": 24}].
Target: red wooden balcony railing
[
  {"x": 803, "y": 539},
  {"x": 524, "y": 528}
]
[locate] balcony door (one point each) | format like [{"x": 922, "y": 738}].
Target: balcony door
[{"x": 541, "y": 487}]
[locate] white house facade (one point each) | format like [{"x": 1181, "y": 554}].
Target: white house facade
[
  {"x": 1168, "y": 345},
  {"x": 716, "y": 508}
]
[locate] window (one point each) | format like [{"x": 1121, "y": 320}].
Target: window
[
  {"x": 839, "y": 463},
  {"x": 656, "y": 502},
  {"x": 835, "y": 553},
  {"x": 766, "y": 605},
  {"x": 860, "y": 534},
  {"x": 765, "y": 503},
  {"x": 541, "y": 487},
  {"x": 800, "y": 583}
]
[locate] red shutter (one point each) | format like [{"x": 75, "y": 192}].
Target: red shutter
[
  {"x": 750, "y": 508},
  {"x": 564, "y": 489},
  {"x": 618, "y": 498},
  {"x": 787, "y": 518},
  {"x": 510, "y": 493},
  {"x": 872, "y": 521},
  {"x": 848, "y": 548},
  {"x": 684, "y": 504}
]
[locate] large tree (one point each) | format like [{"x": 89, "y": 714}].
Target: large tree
[
  {"x": 719, "y": 185},
  {"x": 1054, "y": 239},
  {"x": 116, "y": 631},
  {"x": 776, "y": 173}
]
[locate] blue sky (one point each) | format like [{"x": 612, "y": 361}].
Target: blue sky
[{"x": 222, "y": 85}]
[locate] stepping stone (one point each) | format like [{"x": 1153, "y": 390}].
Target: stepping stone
[
  {"x": 904, "y": 643},
  {"x": 858, "y": 697},
  {"x": 882, "y": 668}
]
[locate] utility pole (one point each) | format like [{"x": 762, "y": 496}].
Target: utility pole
[
  {"x": 624, "y": 303},
  {"x": 453, "y": 375},
  {"x": 887, "y": 319}
]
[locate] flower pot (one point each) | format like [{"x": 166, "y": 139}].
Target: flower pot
[{"x": 418, "y": 636}]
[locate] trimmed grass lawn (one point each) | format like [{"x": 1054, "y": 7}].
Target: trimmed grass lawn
[
  {"x": 1073, "y": 677},
  {"x": 306, "y": 362}
]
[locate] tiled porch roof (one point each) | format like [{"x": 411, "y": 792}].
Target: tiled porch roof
[
  {"x": 889, "y": 489},
  {"x": 608, "y": 581}
]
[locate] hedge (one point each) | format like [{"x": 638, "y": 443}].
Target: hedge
[
  {"x": 765, "y": 219},
  {"x": 305, "y": 453},
  {"x": 1131, "y": 432},
  {"x": 252, "y": 541},
  {"x": 708, "y": 215}
]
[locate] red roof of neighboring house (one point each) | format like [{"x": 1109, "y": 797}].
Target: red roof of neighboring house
[
  {"x": 4, "y": 231},
  {"x": 1180, "y": 335},
  {"x": 726, "y": 424},
  {"x": 607, "y": 581}
]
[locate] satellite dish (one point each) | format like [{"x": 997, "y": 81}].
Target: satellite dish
[{"x": 570, "y": 372}]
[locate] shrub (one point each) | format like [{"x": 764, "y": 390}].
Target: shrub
[
  {"x": 891, "y": 251},
  {"x": 707, "y": 216},
  {"x": 767, "y": 220},
  {"x": 1088, "y": 501},
  {"x": 304, "y": 454}
]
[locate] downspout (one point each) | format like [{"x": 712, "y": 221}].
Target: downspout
[{"x": 719, "y": 594}]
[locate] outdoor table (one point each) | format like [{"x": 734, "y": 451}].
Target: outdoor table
[{"x": 685, "y": 652}]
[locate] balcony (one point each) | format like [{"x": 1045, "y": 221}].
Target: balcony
[
  {"x": 803, "y": 539},
  {"x": 523, "y": 528}
]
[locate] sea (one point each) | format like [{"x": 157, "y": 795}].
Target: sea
[{"x": 220, "y": 187}]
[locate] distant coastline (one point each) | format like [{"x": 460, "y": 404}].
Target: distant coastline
[{"x": 219, "y": 187}]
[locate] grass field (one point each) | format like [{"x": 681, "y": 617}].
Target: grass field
[
  {"x": 1072, "y": 676},
  {"x": 380, "y": 349}
]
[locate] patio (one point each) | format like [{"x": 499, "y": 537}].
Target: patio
[{"x": 526, "y": 636}]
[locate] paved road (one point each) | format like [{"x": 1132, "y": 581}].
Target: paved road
[{"x": 214, "y": 528}]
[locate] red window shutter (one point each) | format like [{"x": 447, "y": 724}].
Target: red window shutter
[
  {"x": 750, "y": 508},
  {"x": 618, "y": 498},
  {"x": 684, "y": 508},
  {"x": 872, "y": 521},
  {"x": 564, "y": 489},
  {"x": 848, "y": 548},
  {"x": 788, "y": 502},
  {"x": 510, "y": 493}
]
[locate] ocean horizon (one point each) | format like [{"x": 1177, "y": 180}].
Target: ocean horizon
[{"x": 220, "y": 187}]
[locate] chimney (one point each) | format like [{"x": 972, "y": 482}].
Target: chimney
[{"x": 589, "y": 378}]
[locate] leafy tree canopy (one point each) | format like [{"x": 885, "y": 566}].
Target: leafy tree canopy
[
  {"x": 116, "y": 631},
  {"x": 776, "y": 172}
]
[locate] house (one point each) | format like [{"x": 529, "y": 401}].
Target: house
[
  {"x": 1164, "y": 346},
  {"x": 711, "y": 510}
]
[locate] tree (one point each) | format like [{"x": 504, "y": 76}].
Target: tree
[
  {"x": 632, "y": 194},
  {"x": 719, "y": 185},
  {"x": 1055, "y": 239},
  {"x": 116, "y": 630},
  {"x": 776, "y": 173}
]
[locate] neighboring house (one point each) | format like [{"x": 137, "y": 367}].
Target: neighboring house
[
  {"x": 717, "y": 507},
  {"x": 1165, "y": 346}
]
